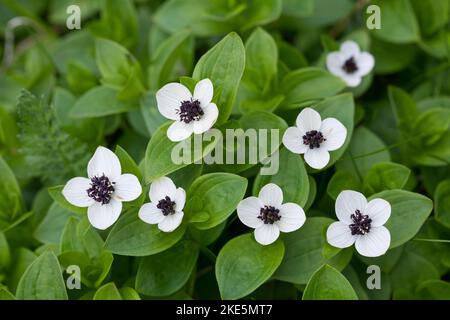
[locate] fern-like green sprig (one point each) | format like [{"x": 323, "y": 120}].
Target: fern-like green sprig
[{"x": 50, "y": 152}]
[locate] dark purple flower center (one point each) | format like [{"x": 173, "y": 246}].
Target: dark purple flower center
[
  {"x": 361, "y": 223},
  {"x": 166, "y": 205},
  {"x": 313, "y": 139},
  {"x": 101, "y": 189},
  {"x": 190, "y": 110},
  {"x": 350, "y": 65},
  {"x": 269, "y": 214}
]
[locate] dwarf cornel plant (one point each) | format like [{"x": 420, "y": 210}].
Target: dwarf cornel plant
[{"x": 358, "y": 101}]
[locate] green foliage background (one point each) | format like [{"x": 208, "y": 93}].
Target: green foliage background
[{"x": 64, "y": 92}]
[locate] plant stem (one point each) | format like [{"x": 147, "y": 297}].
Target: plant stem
[{"x": 208, "y": 253}]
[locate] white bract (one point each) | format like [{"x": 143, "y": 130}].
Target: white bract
[
  {"x": 166, "y": 206},
  {"x": 349, "y": 63},
  {"x": 268, "y": 215},
  {"x": 193, "y": 113},
  {"x": 360, "y": 222},
  {"x": 315, "y": 138},
  {"x": 105, "y": 189}
]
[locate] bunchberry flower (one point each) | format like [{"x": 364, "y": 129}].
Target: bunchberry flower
[
  {"x": 315, "y": 138},
  {"x": 360, "y": 222},
  {"x": 166, "y": 206},
  {"x": 349, "y": 63},
  {"x": 192, "y": 113},
  {"x": 268, "y": 215},
  {"x": 105, "y": 189}
]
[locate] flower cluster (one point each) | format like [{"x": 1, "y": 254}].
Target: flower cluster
[
  {"x": 106, "y": 188},
  {"x": 360, "y": 222}
]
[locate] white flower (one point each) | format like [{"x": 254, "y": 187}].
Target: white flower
[
  {"x": 166, "y": 206},
  {"x": 315, "y": 137},
  {"x": 268, "y": 215},
  {"x": 349, "y": 63},
  {"x": 192, "y": 113},
  {"x": 360, "y": 222},
  {"x": 105, "y": 189}
]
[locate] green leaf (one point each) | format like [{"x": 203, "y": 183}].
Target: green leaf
[
  {"x": 432, "y": 132},
  {"x": 188, "y": 82},
  {"x": 259, "y": 13},
  {"x": 340, "y": 181},
  {"x": 436, "y": 45},
  {"x": 159, "y": 275},
  {"x": 291, "y": 56},
  {"x": 261, "y": 104},
  {"x": 426, "y": 135},
  {"x": 387, "y": 261},
  {"x": 312, "y": 193},
  {"x": 175, "y": 15},
  {"x": 298, "y": 8},
  {"x": 307, "y": 85},
  {"x": 149, "y": 110},
  {"x": 304, "y": 252},
  {"x": 21, "y": 260},
  {"x": 51, "y": 227},
  {"x": 217, "y": 195},
  {"x": 57, "y": 196},
  {"x": 405, "y": 206},
  {"x": 386, "y": 176},
  {"x": 119, "y": 22},
  {"x": 224, "y": 65},
  {"x": 108, "y": 292},
  {"x": 431, "y": 14},
  {"x": 327, "y": 283},
  {"x": 261, "y": 58},
  {"x": 262, "y": 120},
  {"x": 291, "y": 178},
  {"x": 11, "y": 202},
  {"x": 84, "y": 129},
  {"x": 404, "y": 107},
  {"x": 399, "y": 23},
  {"x": 207, "y": 18},
  {"x": 81, "y": 245},
  {"x": 6, "y": 295},
  {"x": 248, "y": 147},
  {"x": 327, "y": 12},
  {"x": 5, "y": 255},
  {"x": 411, "y": 270},
  {"x": 69, "y": 237},
  {"x": 243, "y": 265},
  {"x": 206, "y": 237},
  {"x": 365, "y": 150},
  {"x": 158, "y": 156},
  {"x": 434, "y": 290},
  {"x": 128, "y": 293},
  {"x": 100, "y": 101},
  {"x": 119, "y": 69},
  {"x": 442, "y": 203},
  {"x": 127, "y": 163},
  {"x": 58, "y": 9},
  {"x": 42, "y": 280},
  {"x": 164, "y": 59},
  {"x": 130, "y": 236},
  {"x": 391, "y": 57},
  {"x": 184, "y": 177}
]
